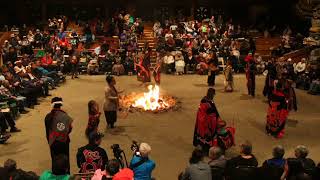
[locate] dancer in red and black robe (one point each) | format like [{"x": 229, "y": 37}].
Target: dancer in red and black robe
[
  {"x": 271, "y": 77},
  {"x": 143, "y": 69},
  {"x": 277, "y": 112},
  {"x": 157, "y": 73},
  {"x": 206, "y": 123},
  {"x": 290, "y": 95}
]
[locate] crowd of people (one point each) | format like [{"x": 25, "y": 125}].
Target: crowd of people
[
  {"x": 36, "y": 61},
  {"x": 246, "y": 166}
]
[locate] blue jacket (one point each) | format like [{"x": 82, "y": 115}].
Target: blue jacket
[{"x": 142, "y": 172}]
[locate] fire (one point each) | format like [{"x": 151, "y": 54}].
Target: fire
[{"x": 151, "y": 100}]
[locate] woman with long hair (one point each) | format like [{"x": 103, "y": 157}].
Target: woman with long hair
[
  {"x": 94, "y": 117},
  {"x": 197, "y": 169}
]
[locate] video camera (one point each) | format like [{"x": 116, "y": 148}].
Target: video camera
[
  {"x": 117, "y": 153},
  {"x": 120, "y": 155}
]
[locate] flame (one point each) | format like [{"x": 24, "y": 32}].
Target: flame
[{"x": 151, "y": 100}]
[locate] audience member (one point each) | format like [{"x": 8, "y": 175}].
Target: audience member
[
  {"x": 198, "y": 169},
  {"x": 141, "y": 164},
  {"x": 60, "y": 169},
  {"x": 92, "y": 157}
]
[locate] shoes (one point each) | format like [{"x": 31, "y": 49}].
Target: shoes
[
  {"x": 13, "y": 130},
  {"x": 23, "y": 112}
]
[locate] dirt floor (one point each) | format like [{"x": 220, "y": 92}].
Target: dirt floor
[{"x": 169, "y": 134}]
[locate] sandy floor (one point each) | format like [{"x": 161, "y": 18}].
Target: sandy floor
[{"x": 170, "y": 134}]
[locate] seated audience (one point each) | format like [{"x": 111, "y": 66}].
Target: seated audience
[
  {"x": 59, "y": 169},
  {"x": 198, "y": 169},
  {"x": 307, "y": 164},
  {"x": 274, "y": 168},
  {"x": 217, "y": 158},
  {"x": 10, "y": 167},
  {"x": 244, "y": 165}
]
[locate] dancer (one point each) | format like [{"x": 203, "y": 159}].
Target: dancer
[
  {"x": 271, "y": 77},
  {"x": 58, "y": 127},
  {"x": 157, "y": 73},
  {"x": 94, "y": 117},
  {"x": 143, "y": 69},
  {"x": 251, "y": 75},
  {"x": 206, "y": 122},
  {"x": 277, "y": 112},
  {"x": 229, "y": 77},
  {"x": 111, "y": 103},
  {"x": 212, "y": 69}
]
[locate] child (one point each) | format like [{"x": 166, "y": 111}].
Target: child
[
  {"x": 94, "y": 115},
  {"x": 225, "y": 135}
]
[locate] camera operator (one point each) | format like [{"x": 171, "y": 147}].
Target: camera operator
[
  {"x": 141, "y": 165},
  {"x": 92, "y": 157}
]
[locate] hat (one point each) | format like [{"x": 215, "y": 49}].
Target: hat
[
  {"x": 94, "y": 136},
  {"x": 56, "y": 100}
]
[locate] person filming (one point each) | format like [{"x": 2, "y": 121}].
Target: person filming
[{"x": 141, "y": 165}]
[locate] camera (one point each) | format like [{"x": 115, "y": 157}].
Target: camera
[
  {"x": 117, "y": 153},
  {"x": 135, "y": 147},
  {"x": 116, "y": 150}
]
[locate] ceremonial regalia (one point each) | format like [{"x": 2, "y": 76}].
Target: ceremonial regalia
[
  {"x": 157, "y": 73},
  {"x": 206, "y": 124},
  {"x": 143, "y": 70},
  {"x": 251, "y": 76},
  {"x": 58, "y": 127},
  {"x": 271, "y": 77},
  {"x": 277, "y": 114}
]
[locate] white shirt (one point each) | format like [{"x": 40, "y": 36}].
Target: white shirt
[
  {"x": 168, "y": 59},
  {"x": 173, "y": 27}
]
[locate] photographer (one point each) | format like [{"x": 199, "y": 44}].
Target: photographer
[{"x": 141, "y": 165}]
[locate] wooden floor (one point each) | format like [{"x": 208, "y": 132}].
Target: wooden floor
[{"x": 169, "y": 134}]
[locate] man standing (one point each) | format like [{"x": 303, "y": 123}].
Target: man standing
[
  {"x": 92, "y": 157},
  {"x": 251, "y": 75},
  {"x": 58, "y": 127}
]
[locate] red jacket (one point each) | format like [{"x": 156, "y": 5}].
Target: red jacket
[{"x": 46, "y": 60}]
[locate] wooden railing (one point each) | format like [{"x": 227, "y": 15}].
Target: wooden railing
[
  {"x": 296, "y": 55},
  {"x": 4, "y": 36}
]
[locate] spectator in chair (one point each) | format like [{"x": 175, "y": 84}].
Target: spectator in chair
[
  {"x": 198, "y": 169},
  {"x": 59, "y": 169},
  {"x": 301, "y": 152},
  {"x": 141, "y": 165},
  {"x": 274, "y": 168},
  {"x": 246, "y": 158},
  {"x": 10, "y": 166},
  {"x": 217, "y": 158}
]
